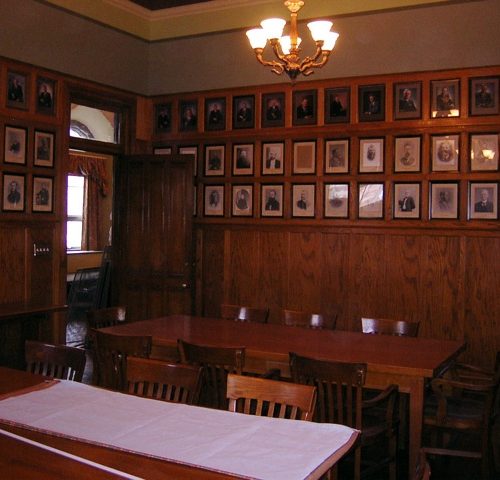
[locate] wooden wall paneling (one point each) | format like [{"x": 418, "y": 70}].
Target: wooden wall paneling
[
  {"x": 403, "y": 288},
  {"x": 274, "y": 271},
  {"x": 13, "y": 263},
  {"x": 367, "y": 278},
  {"x": 335, "y": 254},
  {"x": 210, "y": 270},
  {"x": 306, "y": 264},
  {"x": 42, "y": 273},
  {"x": 442, "y": 301},
  {"x": 242, "y": 281},
  {"x": 482, "y": 302}
]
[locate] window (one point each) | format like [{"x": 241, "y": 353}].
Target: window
[
  {"x": 76, "y": 189},
  {"x": 94, "y": 124}
]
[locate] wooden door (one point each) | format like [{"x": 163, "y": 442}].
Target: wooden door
[{"x": 152, "y": 263}]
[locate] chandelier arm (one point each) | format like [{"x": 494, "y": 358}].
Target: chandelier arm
[
  {"x": 310, "y": 61},
  {"x": 277, "y": 67}
]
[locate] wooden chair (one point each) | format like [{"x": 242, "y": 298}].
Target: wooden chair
[
  {"x": 171, "y": 382},
  {"x": 423, "y": 470},
  {"x": 294, "y": 318},
  {"x": 244, "y": 314},
  {"x": 106, "y": 317},
  {"x": 270, "y": 398},
  {"x": 340, "y": 400},
  {"x": 217, "y": 362},
  {"x": 460, "y": 414},
  {"x": 385, "y": 326},
  {"x": 110, "y": 354},
  {"x": 58, "y": 361}
]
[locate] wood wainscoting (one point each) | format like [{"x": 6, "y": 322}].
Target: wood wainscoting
[{"x": 446, "y": 279}]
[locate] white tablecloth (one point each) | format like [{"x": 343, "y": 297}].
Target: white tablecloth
[{"x": 245, "y": 445}]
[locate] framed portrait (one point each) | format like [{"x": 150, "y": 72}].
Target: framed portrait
[
  {"x": 242, "y": 201},
  {"x": 190, "y": 150},
  {"x": 43, "y": 192},
  {"x": 304, "y": 157},
  {"x": 371, "y": 155},
  {"x": 214, "y": 160},
  {"x": 407, "y": 155},
  {"x": 303, "y": 200},
  {"x": 17, "y": 90},
  {"x": 45, "y": 95},
  {"x": 272, "y": 158},
  {"x": 371, "y": 200},
  {"x": 406, "y": 200},
  {"x": 483, "y": 98},
  {"x": 215, "y": 114},
  {"x": 243, "y": 159},
  {"x": 337, "y": 200},
  {"x": 484, "y": 152},
  {"x": 337, "y": 156},
  {"x": 445, "y": 153},
  {"x": 444, "y": 200},
  {"x": 371, "y": 103},
  {"x": 15, "y": 145},
  {"x": 244, "y": 111},
  {"x": 445, "y": 98},
  {"x": 483, "y": 200},
  {"x": 166, "y": 150},
  {"x": 407, "y": 100},
  {"x": 337, "y": 105},
  {"x": 213, "y": 200},
  {"x": 272, "y": 200},
  {"x": 13, "y": 192},
  {"x": 273, "y": 110},
  {"x": 44, "y": 149},
  {"x": 188, "y": 116},
  {"x": 304, "y": 105},
  {"x": 163, "y": 117}
]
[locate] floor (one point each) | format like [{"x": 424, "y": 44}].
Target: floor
[{"x": 442, "y": 468}]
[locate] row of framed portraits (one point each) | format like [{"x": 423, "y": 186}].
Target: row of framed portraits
[
  {"x": 445, "y": 154},
  {"x": 19, "y": 94},
  {"x": 14, "y": 188},
  {"x": 406, "y": 204},
  {"x": 371, "y": 106},
  {"x": 16, "y": 147}
]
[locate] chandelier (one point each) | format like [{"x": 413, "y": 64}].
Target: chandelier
[{"x": 286, "y": 48}]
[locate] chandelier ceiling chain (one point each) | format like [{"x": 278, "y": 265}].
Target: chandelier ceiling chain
[{"x": 286, "y": 48}]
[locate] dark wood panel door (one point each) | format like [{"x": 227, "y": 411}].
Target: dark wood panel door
[{"x": 152, "y": 239}]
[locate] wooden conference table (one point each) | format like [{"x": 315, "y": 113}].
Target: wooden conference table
[
  {"x": 115, "y": 435},
  {"x": 404, "y": 361}
]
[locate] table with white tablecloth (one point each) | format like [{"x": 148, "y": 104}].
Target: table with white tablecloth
[{"x": 243, "y": 445}]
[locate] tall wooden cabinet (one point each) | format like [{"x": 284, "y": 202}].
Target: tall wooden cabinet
[{"x": 152, "y": 239}]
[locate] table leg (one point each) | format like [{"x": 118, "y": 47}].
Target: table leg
[{"x": 415, "y": 421}]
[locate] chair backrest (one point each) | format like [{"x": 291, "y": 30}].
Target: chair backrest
[
  {"x": 58, "y": 361},
  {"x": 106, "y": 317},
  {"x": 83, "y": 290},
  {"x": 217, "y": 362},
  {"x": 111, "y": 352},
  {"x": 171, "y": 382},
  {"x": 294, "y": 318},
  {"x": 423, "y": 470},
  {"x": 244, "y": 314},
  {"x": 270, "y": 398},
  {"x": 386, "y": 326},
  {"x": 339, "y": 386}
]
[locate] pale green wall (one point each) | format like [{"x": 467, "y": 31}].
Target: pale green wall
[
  {"x": 430, "y": 38},
  {"x": 35, "y": 33}
]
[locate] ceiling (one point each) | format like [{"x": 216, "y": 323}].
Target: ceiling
[
  {"x": 161, "y": 4},
  {"x": 156, "y": 20}
]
